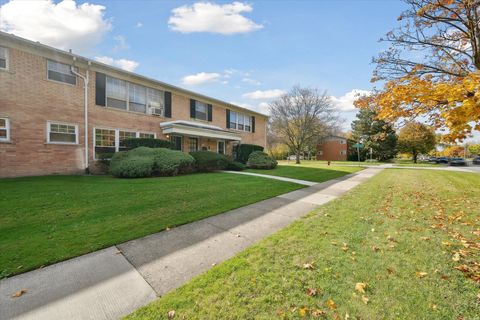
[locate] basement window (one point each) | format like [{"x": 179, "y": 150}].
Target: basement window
[
  {"x": 4, "y": 129},
  {"x": 62, "y": 133}
]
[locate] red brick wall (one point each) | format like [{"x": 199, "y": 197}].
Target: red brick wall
[
  {"x": 29, "y": 100},
  {"x": 332, "y": 149}
]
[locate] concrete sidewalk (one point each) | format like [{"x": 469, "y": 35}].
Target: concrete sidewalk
[{"x": 114, "y": 282}]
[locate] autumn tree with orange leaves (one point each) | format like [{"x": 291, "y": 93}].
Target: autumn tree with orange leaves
[{"x": 431, "y": 68}]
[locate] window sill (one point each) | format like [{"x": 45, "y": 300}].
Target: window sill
[
  {"x": 132, "y": 112},
  {"x": 60, "y": 82},
  {"x": 62, "y": 144}
]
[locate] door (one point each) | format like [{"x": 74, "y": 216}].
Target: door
[
  {"x": 221, "y": 147},
  {"x": 192, "y": 144}
]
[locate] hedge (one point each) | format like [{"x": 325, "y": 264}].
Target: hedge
[
  {"x": 209, "y": 161},
  {"x": 132, "y": 143},
  {"x": 243, "y": 151},
  {"x": 235, "y": 166},
  {"x": 261, "y": 160},
  {"x": 146, "y": 162}
]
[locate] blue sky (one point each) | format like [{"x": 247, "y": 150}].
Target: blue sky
[{"x": 244, "y": 52}]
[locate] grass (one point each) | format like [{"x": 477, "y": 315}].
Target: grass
[
  {"x": 321, "y": 163},
  {"x": 308, "y": 172},
  {"x": 48, "y": 219},
  {"x": 402, "y": 233}
]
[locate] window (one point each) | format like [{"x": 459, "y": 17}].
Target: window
[
  {"x": 62, "y": 133},
  {"x": 201, "y": 110},
  {"x": 240, "y": 121},
  {"x": 192, "y": 144},
  {"x": 3, "y": 58},
  {"x": 156, "y": 99},
  {"x": 342, "y": 141},
  {"x": 177, "y": 142},
  {"x": 137, "y": 98},
  {"x": 116, "y": 93},
  {"x": 320, "y": 153},
  {"x": 4, "y": 129},
  {"x": 60, "y": 72},
  {"x": 221, "y": 147},
  {"x": 343, "y": 152},
  {"x": 146, "y": 135},
  {"x": 122, "y": 135},
  {"x": 104, "y": 143},
  {"x": 233, "y": 120}
]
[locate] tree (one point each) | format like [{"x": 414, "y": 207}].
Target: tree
[
  {"x": 432, "y": 66},
  {"x": 453, "y": 151},
  {"x": 474, "y": 149},
  {"x": 416, "y": 138},
  {"x": 375, "y": 134},
  {"x": 300, "y": 117}
]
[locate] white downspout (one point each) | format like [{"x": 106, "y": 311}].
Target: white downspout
[{"x": 85, "y": 79}]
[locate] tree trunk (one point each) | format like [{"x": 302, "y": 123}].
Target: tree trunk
[
  {"x": 415, "y": 157},
  {"x": 297, "y": 157}
]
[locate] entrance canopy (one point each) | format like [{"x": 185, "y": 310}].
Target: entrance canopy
[{"x": 190, "y": 128}]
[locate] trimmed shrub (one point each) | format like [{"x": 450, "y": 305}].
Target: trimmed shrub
[
  {"x": 261, "y": 160},
  {"x": 132, "y": 143},
  {"x": 235, "y": 166},
  {"x": 145, "y": 162},
  {"x": 243, "y": 151},
  {"x": 209, "y": 161}
]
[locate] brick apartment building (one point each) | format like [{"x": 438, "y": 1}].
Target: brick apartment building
[
  {"x": 43, "y": 117},
  {"x": 332, "y": 148}
]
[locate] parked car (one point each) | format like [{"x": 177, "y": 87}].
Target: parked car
[
  {"x": 432, "y": 159},
  {"x": 476, "y": 160},
  {"x": 294, "y": 157},
  {"x": 457, "y": 162},
  {"x": 443, "y": 160}
]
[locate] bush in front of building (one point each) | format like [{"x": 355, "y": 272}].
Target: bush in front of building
[
  {"x": 235, "y": 166},
  {"x": 261, "y": 160},
  {"x": 132, "y": 143},
  {"x": 146, "y": 162},
  {"x": 243, "y": 151},
  {"x": 206, "y": 161}
]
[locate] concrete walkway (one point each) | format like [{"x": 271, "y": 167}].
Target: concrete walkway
[
  {"x": 302, "y": 182},
  {"x": 114, "y": 282}
]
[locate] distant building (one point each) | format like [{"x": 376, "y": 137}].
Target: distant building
[{"x": 332, "y": 148}]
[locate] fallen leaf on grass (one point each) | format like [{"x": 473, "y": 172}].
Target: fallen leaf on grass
[
  {"x": 345, "y": 247},
  {"x": 456, "y": 257},
  {"x": 171, "y": 314},
  {"x": 365, "y": 299},
  {"x": 425, "y": 238},
  {"x": 420, "y": 274},
  {"x": 331, "y": 304},
  {"x": 308, "y": 266},
  {"x": 19, "y": 293},
  {"x": 318, "y": 313},
  {"x": 375, "y": 248},
  {"x": 311, "y": 292},
  {"x": 360, "y": 287},
  {"x": 303, "y": 311}
]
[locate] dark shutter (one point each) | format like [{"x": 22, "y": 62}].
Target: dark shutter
[
  {"x": 192, "y": 108},
  {"x": 168, "y": 104},
  {"x": 228, "y": 118},
  {"x": 209, "y": 115},
  {"x": 100, "y": 87},
  {"x": 253, "y": 124}
]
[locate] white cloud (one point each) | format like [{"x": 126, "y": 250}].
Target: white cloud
[
  {"x": 262, "y": 107},
  {"x": 139, "y": 25},
  {"x": 345, "y": 102},
  {"x": 200, "y": 78},
  {"x": 251, "y": 81},
  {"x": 63, "y": 25},
  {"x": 121, "y": 43},
  {"x": 266, "y": 94},
  {"x": 125, "y": 64},
  {"x": 210, "y": 17}
]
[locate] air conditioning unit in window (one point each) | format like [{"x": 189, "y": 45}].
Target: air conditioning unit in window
[{"x": 156, "y": 111}]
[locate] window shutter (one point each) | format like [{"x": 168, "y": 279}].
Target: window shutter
[
  {"x": 228, "y": 118},
  {"x": 100, "y": 88},
  {"x": 168, "y": 104},
  {"x": 209, "y": 116},
  {"x": 192, "y": 108},
  {"x": 253, "y": 124}
]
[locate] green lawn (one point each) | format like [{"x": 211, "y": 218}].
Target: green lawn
[
  {"x": 48, "y": 219},
  {"x": 308, "y": 172},
  {"x": 402, "y": 234}
]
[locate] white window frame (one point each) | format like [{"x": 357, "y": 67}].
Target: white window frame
[
  {"x": 64, "y": 123},
  {"x": 117, "y": 137},
  {"x": 53, "y": 80},
  {"x": 243, "y": 116},
  {"x": 343, "y": 152},
  {"x": 7, "y": 58},
  {"x": 224, "y": 146},
  {"x": 7, "y": 128}
]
